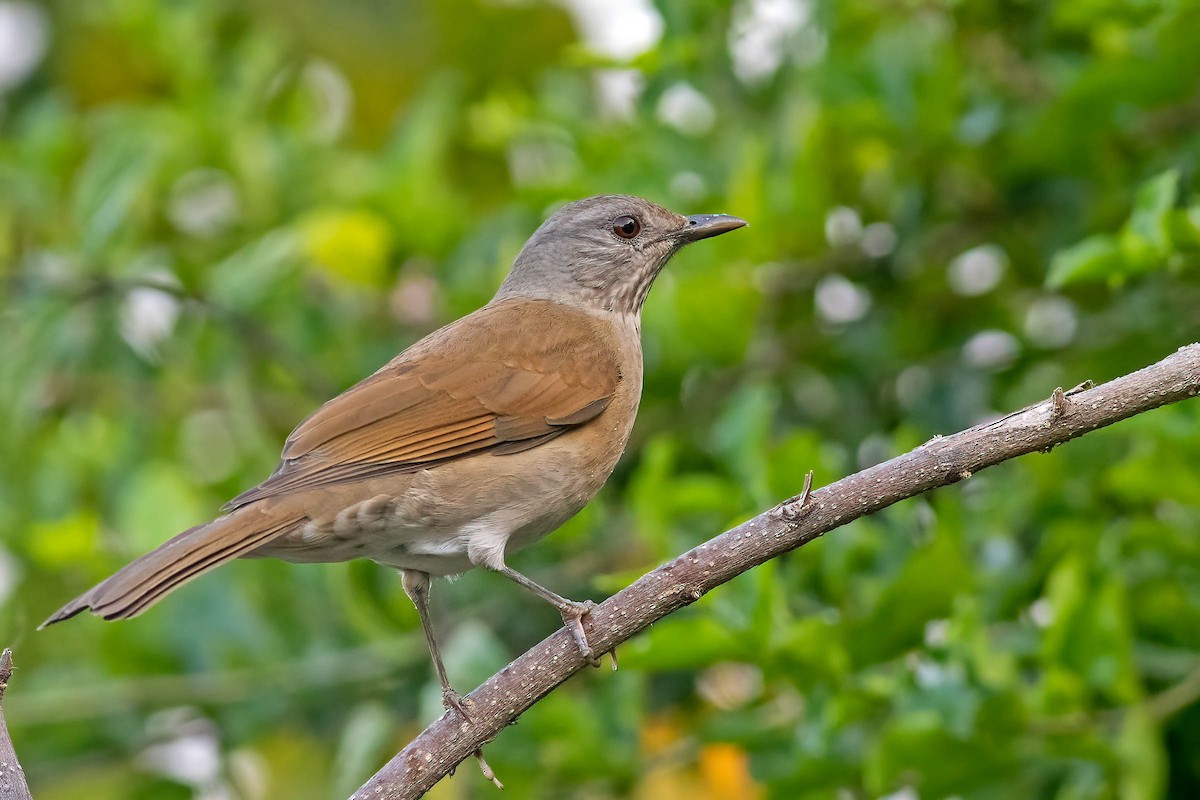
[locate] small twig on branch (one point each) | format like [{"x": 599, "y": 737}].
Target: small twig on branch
[
  {"x": 793, "y": 523},
  {"x": 12, "y": 777}
]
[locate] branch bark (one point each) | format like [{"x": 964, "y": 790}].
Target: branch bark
[
  {"x": 793, "y": 523},
  {"x": 12, "y": 777}
]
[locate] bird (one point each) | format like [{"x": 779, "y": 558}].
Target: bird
[{"x": 478, "y": 440}]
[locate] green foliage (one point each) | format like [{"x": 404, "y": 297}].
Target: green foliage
[
  {"x": 214, "y": 216},
  {"x": 1156, "y": 235}
]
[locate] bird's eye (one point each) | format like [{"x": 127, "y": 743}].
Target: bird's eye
[{"x": 626, "y": 226}]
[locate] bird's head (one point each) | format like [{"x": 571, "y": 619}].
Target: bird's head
[{"x": 606, "y": 251}]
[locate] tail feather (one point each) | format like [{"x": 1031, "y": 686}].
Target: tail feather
[{"x": 147, "y": 580}]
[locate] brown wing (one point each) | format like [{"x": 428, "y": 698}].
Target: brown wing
[{"x": 504, "y": 379}]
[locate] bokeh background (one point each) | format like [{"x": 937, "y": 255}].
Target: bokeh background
[{"x": 215, "y": 215}]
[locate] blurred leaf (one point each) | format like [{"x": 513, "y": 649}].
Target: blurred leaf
[
  {"x": 1089, "y": 635},
  {"x": 1139, "y": 745},
  {"x": 157, "y": 501},
  {"x": 917, "y": 744},
  {"x": 1093, "y": 258},
  {"x": 1151, "y": 206},
  {"x": 351, "y": 244},
  {"x": 682, "y": 642},
  {"x": 740, "y": 436},
  {"x": 248, "y": 275},
  {"x": 61, "y": 544},
  {"x": 365, "y": 740},
  {"x": 1144, "y": 242},
  {"x": 925, "y": 589}
]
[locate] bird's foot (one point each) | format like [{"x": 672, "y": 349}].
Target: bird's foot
[
  {"x": 572, "y": 614},
  {"x": 452, "y": 700}
]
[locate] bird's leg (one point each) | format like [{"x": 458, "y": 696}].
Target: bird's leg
[
  {"x": 572, "y": 612},
  {"x": 416, "y": 586}
]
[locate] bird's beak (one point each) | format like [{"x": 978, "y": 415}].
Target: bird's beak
[{"x": 703, "y": 226}]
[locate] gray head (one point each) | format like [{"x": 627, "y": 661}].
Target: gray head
[{"x": 605, "y": 251}]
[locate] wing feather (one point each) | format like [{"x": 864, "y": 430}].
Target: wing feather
[{"x": 505, "y": 379}]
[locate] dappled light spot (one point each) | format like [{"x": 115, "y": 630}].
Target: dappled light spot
[
  {"x": 991, "y": 349},
  {"x": 686, "y": 109},
  {"x": 1051, "y": 321},
  {"x": 840, "y": 301},
  {"x": 24, "y": 34},
  {"x": 978, "y": 270},
  {"x": 620, "y": 29}
]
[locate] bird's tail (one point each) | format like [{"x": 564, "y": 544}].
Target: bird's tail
[{"x": 147, "y": 580}]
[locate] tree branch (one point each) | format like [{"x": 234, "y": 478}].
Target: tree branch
[
  {"x": 793, "y": 523},
  {"x": 12, "y": 777}
]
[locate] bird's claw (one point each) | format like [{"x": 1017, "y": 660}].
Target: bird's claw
[
  {"x": 572, "y": 616},
  {"x": 452, "y": 700}
]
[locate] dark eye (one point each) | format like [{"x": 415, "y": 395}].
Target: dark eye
[{"x": 626, "y": 226}]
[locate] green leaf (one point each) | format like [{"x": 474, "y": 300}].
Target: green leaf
[
  {"x": 924, "y": 590},
  {"x": 686, "y": 640},
  {"x": 1151, "y": 207},
  {"x": 1144, "y": 759},
  {"x": 1143, "y": 244},
  {"x": 1096, "y": 257}
]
